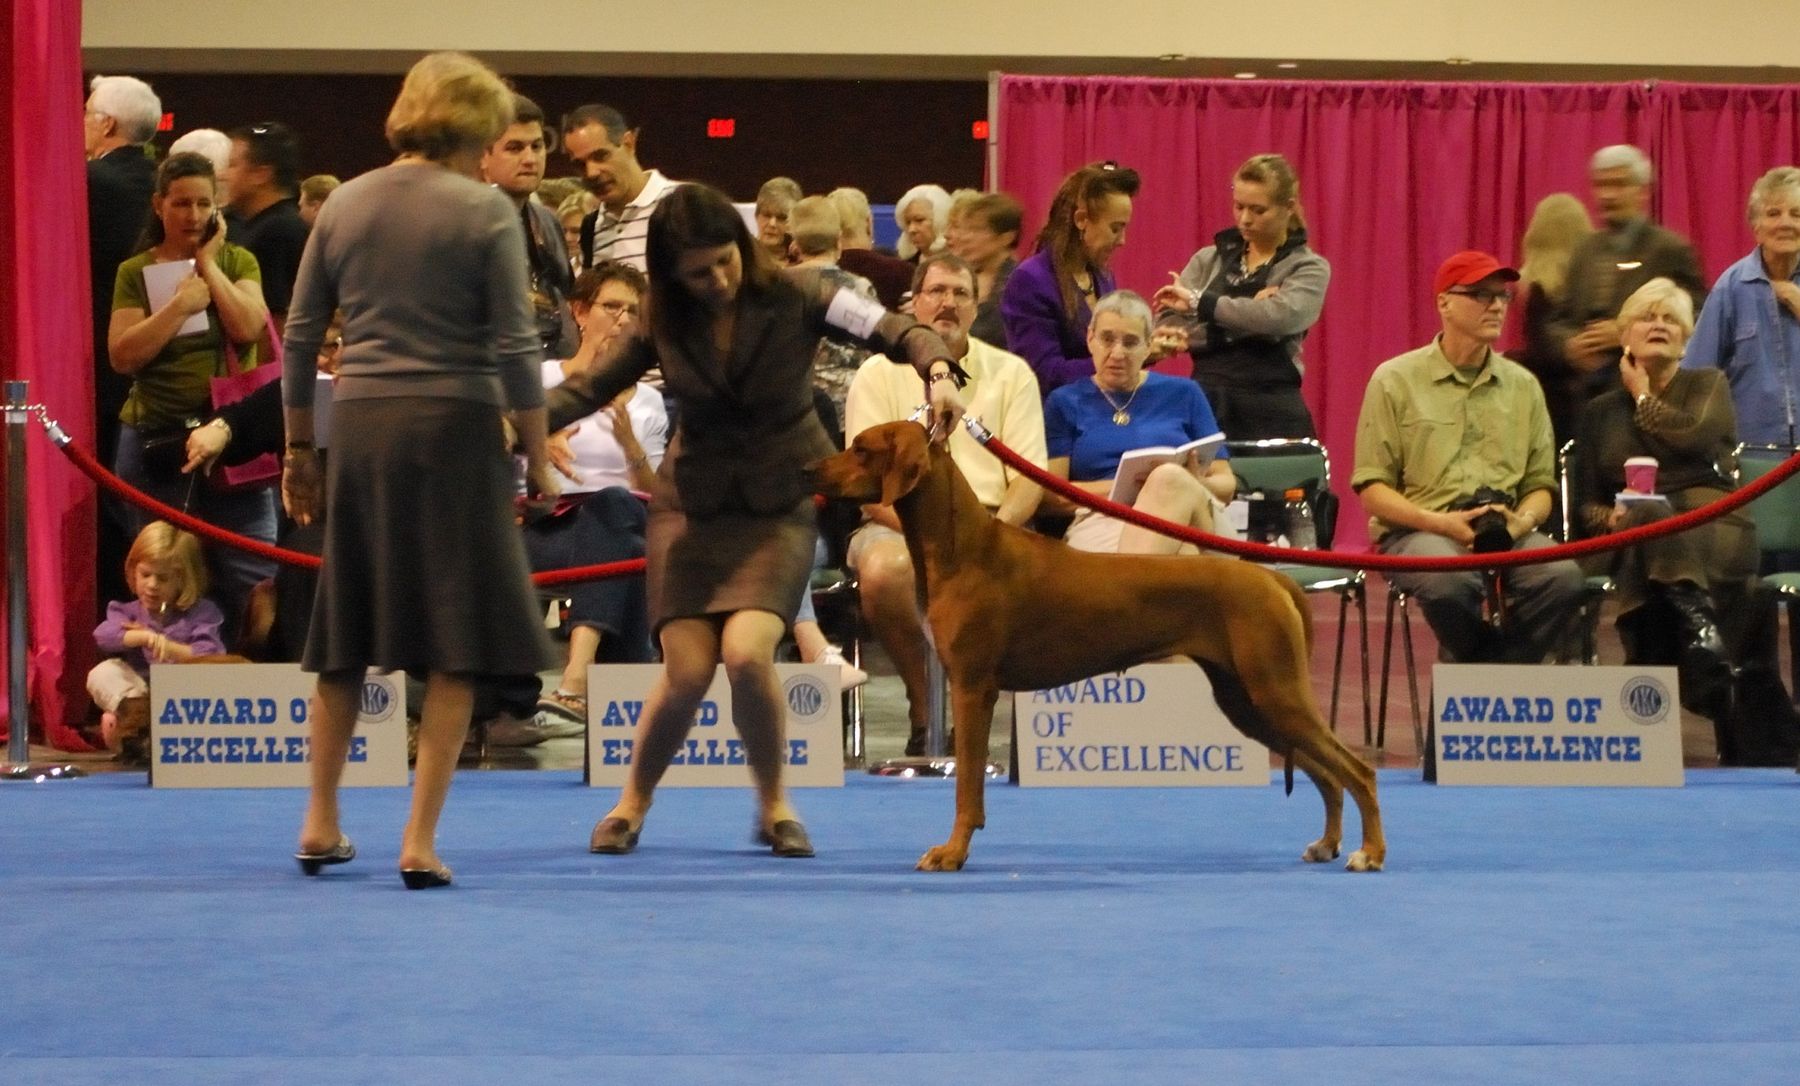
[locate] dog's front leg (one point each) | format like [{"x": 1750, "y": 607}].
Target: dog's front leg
[{"x": 973, "y": 711}]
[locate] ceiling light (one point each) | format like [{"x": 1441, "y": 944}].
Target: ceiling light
[
  {"x": 1459, "y": 61},
  {"x": 1287, "y": 64},
  {"x": 1243, "y": 75}
]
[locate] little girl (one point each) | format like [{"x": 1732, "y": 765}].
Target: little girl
[{"x": 167, "y": 622}]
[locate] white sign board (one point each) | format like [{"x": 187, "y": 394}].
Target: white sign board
[
  {"x": 1156, "y": 725},
  {"x": 248, "y": 726},
  {"x": 712, "y": 755},
  {"x": 1523, "y": 724}
]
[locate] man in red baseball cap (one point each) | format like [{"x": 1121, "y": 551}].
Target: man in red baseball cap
[{"x": 1454, "y": 454}]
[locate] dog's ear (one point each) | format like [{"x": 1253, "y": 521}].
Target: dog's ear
[{"x": 907, "y": 459}]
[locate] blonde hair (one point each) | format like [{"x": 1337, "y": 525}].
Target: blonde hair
[
  {"x": 814, "y": 225},
  {"x": 318, "y": 186},
  {"x": 1277, "y": 175},
  {"x": 450, "y": 103},
  {"x": 1660, "y": 291},
  {"x": 1557, "y": 225},
  {"x": 161, "y": 541}
]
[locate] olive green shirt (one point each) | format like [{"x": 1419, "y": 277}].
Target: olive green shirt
[
  {"x": 175, "y": 385},
  {"x": 1437, "y": 434}
]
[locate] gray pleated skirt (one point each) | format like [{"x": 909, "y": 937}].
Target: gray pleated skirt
[{"x": 424, "y": 566}]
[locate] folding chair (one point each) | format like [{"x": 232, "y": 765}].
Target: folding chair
[
  {"x": 1274, "y": 465},
  {"x": 1777, "y": 518},
  {"x": 1596, "y": 587}
]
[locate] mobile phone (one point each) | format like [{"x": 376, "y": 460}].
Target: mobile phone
[{"x": 212, "y": 228}]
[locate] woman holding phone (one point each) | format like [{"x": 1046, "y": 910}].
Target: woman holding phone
[{"x": 181, "y": 309}]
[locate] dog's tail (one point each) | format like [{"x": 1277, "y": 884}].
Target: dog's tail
[{"x": 1298, "y": 595}]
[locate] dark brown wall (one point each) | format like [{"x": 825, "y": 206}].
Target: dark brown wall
[{"x": 881, "y": 136}]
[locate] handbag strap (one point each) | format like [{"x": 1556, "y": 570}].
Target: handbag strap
[{"x": 231, "y": 354}]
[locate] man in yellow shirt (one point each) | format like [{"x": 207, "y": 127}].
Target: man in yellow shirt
[{"x": 1003, "y": 393}]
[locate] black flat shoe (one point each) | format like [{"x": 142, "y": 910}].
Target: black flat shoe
[
  {"x": 613, "y": 837},
  {"x": 424, "y": 878},
  {"x": 786, "y": 838},
  {"x": 341, "y": 853}
]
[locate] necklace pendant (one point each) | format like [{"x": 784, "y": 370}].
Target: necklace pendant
[{"x": 1121, "y": 417}]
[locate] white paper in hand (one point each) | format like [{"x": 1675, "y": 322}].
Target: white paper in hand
[{"x": 160, "y": 283}]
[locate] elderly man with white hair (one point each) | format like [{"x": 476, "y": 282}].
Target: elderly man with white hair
[
  {"x": 1610, "y": 264},
  {"x": 120, "y": 117}
]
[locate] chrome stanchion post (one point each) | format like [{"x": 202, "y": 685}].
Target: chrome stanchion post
[{"x": 18, "y": 765}]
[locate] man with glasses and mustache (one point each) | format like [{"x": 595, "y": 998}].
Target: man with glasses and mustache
[
  {"x": 1454, "y": 454},
  {"x": 514, "y": 164},
  {"x": 262, "y": 178},
  {"x": 1003, "y": 392}
]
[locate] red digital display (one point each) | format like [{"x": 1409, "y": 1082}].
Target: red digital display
[
  {"x": 167, "y": 124},
  {"x": 979, "y": 130},
  {"x": 721, "y": 128}
]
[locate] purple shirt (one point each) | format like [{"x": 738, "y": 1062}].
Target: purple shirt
[
  {"x": 197, "y": 627},
  {"x": 1038, "y": 330}
]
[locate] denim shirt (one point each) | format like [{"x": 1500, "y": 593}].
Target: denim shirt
[{"x": 1744, "y": 331}]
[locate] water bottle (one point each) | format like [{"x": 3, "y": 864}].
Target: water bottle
[{"x": 1298, "y": 519}]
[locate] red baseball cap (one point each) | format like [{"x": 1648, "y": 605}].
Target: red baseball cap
[{"x": 1469, "y": 267}]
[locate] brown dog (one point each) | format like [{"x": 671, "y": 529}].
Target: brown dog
[{"x": 1013, "y": 610}]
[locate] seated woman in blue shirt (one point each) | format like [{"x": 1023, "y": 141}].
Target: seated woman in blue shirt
[{"x": 1090, "y": 425}]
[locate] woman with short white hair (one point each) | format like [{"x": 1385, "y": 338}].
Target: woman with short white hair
[
  {"x": 1090, "y": 425},
  {"x": 922, "y": 213},
  {"x": 1750, "y": 327},
  {"x": 1684, "y": 420}
]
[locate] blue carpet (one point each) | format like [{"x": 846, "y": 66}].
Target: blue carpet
[{"x": 1631, "y": 936}]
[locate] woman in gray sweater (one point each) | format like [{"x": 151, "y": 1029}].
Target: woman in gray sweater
[
  {"x": 424, "y": 568},
  {"x": 1247, "y": 300}
]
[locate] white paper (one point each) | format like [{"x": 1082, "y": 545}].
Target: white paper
[
  {"x": 1628, "y": 497},
  {"x": 160, "y": 283},
  {"x": 854, "y": 313}
]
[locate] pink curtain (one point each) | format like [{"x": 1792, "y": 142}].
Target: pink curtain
[
  {"x": 44, "y": 339},
  {"x": 1394, "y": 177}
]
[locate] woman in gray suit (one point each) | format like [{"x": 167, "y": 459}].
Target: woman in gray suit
[{"x": 730, "y": 544}]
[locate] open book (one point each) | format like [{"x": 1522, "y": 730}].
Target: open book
[{"x": 1136, "y": 465}]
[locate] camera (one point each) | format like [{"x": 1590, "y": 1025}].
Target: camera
[{"x": 1491, "y": 534}]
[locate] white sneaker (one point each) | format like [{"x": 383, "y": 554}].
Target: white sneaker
[
  {"x": 507, "y": 730},
  {"x": 849, "y": 675}
]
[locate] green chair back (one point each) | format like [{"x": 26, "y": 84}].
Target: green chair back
[{"x": 1777, "y": 513}]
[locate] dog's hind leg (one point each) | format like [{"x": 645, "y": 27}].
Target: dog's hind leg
[
  {"x": 1319, "y": 746},
  {"x": 1326, "y": 847}
]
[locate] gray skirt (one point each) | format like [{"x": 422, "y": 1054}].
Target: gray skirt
[{"x": 424, "y": 566}]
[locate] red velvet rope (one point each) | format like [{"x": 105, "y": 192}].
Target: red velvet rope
[
  {"x": 98, "y": 472},
  {"x": 1262, "y": 552}
]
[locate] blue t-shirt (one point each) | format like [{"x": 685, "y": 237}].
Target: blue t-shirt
[{"x": 1078, "y": 423}]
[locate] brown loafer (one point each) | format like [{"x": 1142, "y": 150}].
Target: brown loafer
[
  {"x": 786, "y": 838},
  {"x": 613, "y": 837}
]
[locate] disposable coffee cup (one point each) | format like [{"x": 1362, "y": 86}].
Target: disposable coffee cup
[{"x": 1640, "y": 474}]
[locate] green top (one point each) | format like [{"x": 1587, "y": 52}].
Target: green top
[
  {"x": 174, "y": 385},
  {"x": 1436, "y": 434}
]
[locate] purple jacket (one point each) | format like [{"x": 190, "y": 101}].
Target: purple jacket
[
  {"x": 197, "y": 627},
  {"x": 1038, "y": 331}
]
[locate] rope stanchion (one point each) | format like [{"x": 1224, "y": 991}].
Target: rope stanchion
[
  {"x": 1262, "y": 552},
  {"x": 18, "y": 765},
  {"x": 98, "y": 472}
]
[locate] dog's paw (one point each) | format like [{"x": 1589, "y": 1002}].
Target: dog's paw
[
  {"x": 1320, "y": 851},
  {"x": 943, "y": 858},
  {"x": 1362, "y": 861}
]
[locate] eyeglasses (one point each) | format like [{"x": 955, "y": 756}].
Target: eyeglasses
[
  {"x": 1484, "y": 297},
  {"x": 959, "y": 295},
  {"x": 617, "y": 309}
]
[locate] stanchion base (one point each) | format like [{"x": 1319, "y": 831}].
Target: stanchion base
[
  {"x": 25, "y": 771},
  {"x": 928, "y": 766}
]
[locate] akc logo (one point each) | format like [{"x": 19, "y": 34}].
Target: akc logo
[
  {"x": 806, "y": 699},
  {"x": 1646, "y": 700},
  {"x": 377, "y": 700}
]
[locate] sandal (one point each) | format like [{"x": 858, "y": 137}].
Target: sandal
[{"x": 568, "y": 706}]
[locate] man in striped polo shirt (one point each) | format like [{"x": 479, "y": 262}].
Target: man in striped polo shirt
[{"x": 603, "y": 144}]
